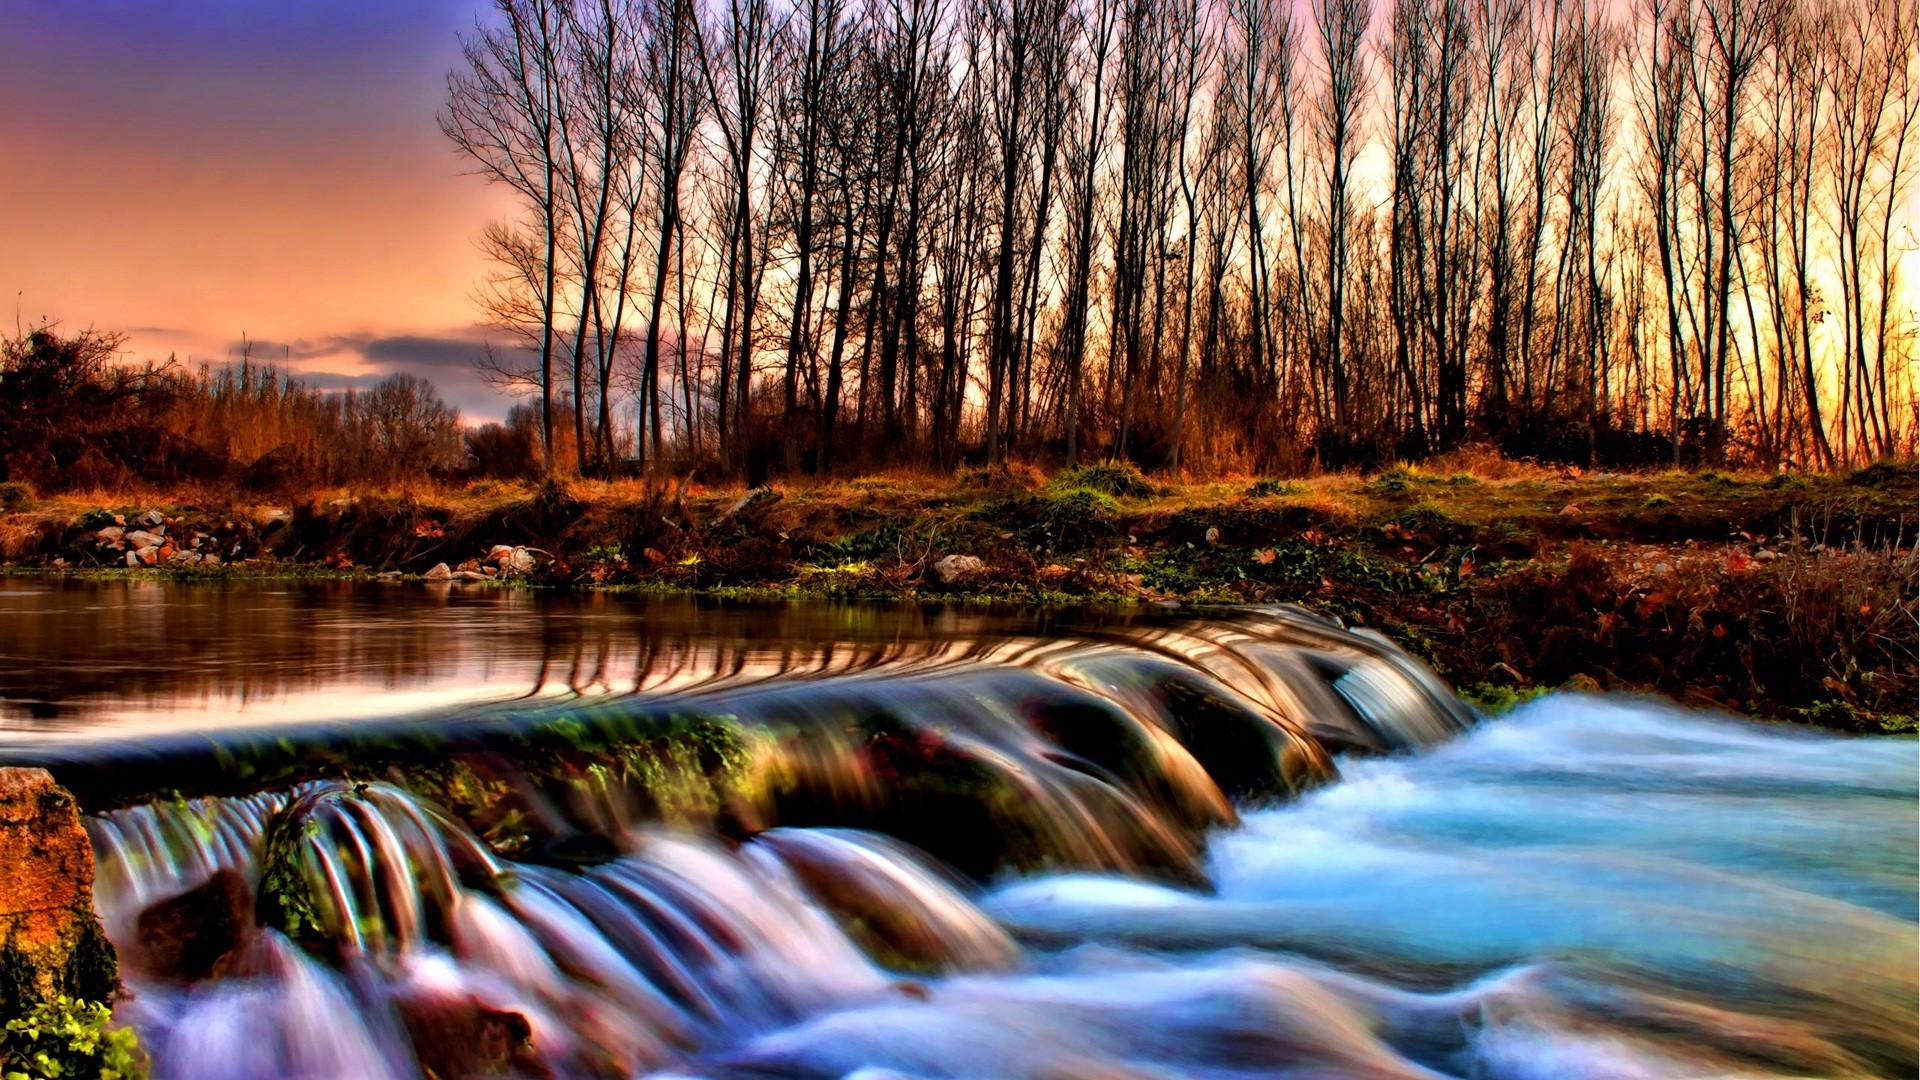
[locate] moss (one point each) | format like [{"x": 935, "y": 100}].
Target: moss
[
  {"x": 1492, "y": 699},
  {"x": 285, "y": 897}
]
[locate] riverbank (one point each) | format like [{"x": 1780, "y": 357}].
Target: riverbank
[{"x": 1781, "y": 597}]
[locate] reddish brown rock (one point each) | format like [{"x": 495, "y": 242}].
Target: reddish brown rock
[
  {"x": 190, "y": 937},
  {"x": 50, "y": 941},
  {"x": 456, "y": 1036}
]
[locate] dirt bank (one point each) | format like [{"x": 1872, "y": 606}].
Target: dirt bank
[{"x": 1786, "y": 597}]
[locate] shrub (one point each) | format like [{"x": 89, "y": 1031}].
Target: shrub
[
  {"x": 67, "y": 1039},
  {"x": 95, "y": 519},
  {"x": 1009, "y": 477},
  {"x": 1426, "y": 516},
  {"x": 15, "y": 494},
  {"x": 1391, "y": 482},
  {"x": 1880, "y": 474},
  {"x": 1267, "y": 485},
  {"x": 1111, "y": 477}
]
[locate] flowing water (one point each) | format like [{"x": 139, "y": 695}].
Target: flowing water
[{"x": 592, "y": 837}]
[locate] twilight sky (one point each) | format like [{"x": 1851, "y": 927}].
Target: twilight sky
[{"x": 189, "y": 171}]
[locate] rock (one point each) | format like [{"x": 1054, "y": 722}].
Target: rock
[
  {"x": 955, "y": 568},
  {"x": 210, "y": 559},
  {"x": 147, "y": 556},
  {"x": 440, "y": 572},
  {"x": 140, "y": 538},
  {"x": 1583, "y": 684},
  {"x": 457, "y": 1034},
  {"x": 752, "y": 500},
  {"x": 518, "y": 561},
  {"x": 111, "y": 533},
  {"x": 499, "y": 551},
  {"x": 190, "y": 937},
  {"x": 152, "y": 519},
  {"x": 1213, "y": 534},
  {"x": 133, "y": 558},
  {"x": 470, "y": 575},
  {"x": 50, "y": 941}
]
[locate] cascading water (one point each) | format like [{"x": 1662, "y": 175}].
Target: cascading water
[{"x": 1125, "y": 852}]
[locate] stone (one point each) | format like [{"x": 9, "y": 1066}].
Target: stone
[
  {"x": 140, "y": 538},
  {"x": 470, "y": 575},
  {"x": 1582, "y": 684},
  {"x": 152, "y": 519},
  {"x": 111, "y": 533},
  {"x": 954, "y": 568},
  {"x": 1213, "y": 534},
  {"x": 193, "y": 936},
  {"x": 146, "y": 556},
  {"x": 518, "y": 561},
  {"x": 499, "y": 551},
  {"x": 750, "y": 501},
  {"x": 457, "y": 1034},
  {"x": 50, "y": 941},
  {"x": 440, "y": 572}
]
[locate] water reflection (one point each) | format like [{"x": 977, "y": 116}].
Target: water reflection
[{"x": 83, "y": 658}]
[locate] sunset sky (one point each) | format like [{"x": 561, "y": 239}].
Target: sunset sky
[{"x": 191, "y": 172}]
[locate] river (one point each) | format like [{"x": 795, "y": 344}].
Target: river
[{"x": 492, "y": 830}]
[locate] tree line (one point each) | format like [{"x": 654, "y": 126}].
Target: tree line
[
  {"x": 827, "y": 235},
  {"x": 77, "y": 416}
]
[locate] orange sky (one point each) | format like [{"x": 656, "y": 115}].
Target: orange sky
[{"x": 188, "y": 174}]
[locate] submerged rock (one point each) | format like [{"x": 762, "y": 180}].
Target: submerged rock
[
  {"x": 51, "y": 944},
  {"x": 195, "y": 935}
]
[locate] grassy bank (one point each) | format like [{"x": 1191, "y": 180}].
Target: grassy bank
[{"x": 1788, "y": 597}]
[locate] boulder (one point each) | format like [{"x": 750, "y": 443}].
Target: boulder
[
  {"x": 498, "y": 552},
  {"x": 518, "y": 561},
  {"x": 50, "y": 941},
  {"x": 457, "y": 1034},
  {"x": 956, "y": 568},
  {"x": 111, "y": 533},
  {"x": 152, "y": 519},
  {"x": 440, "y": 572},
  {"x": 140, "y": 538},
  {"x": 192, "y": 936}
]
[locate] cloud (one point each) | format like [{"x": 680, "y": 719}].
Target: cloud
[{"x": 359, "y": 361}]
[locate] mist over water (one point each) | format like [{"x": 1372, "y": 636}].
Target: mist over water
[{"x": 1250, "y": 845}]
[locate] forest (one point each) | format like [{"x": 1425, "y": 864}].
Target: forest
[{"x": 828, "y": 236}]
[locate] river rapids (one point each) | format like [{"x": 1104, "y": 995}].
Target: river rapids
[{"x": 1256, "y": 845}]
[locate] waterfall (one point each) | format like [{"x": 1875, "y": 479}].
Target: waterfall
[{"x": 1260, "y": 845}]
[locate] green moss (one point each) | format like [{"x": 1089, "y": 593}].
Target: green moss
[
  {"x": 1496, "y": 700},
  {"x": 285, "y": 897},
  {"x": 69, "y": 1038}
]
